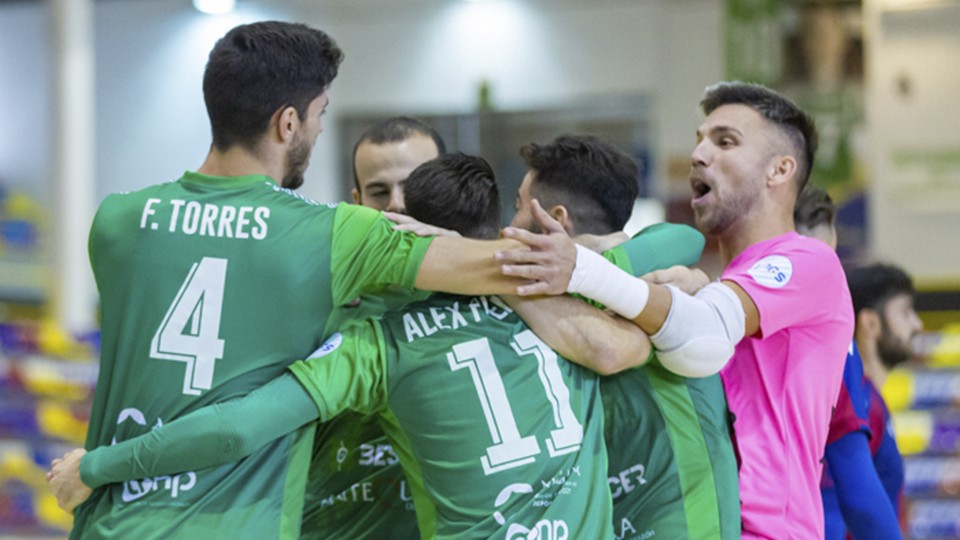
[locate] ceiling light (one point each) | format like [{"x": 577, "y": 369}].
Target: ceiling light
[{"x": 214, "y": 7}]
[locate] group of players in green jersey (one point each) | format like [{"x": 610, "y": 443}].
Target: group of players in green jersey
[{"x": 469, "y": 413}]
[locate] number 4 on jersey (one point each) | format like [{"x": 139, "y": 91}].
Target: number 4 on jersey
[{"x": 190, "y": 331}]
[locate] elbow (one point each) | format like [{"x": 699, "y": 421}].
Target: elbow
[
  {"x": 697, "y": 359},
  {"x": 234, "y": 446},
  {"x": 611, "y": 360}
]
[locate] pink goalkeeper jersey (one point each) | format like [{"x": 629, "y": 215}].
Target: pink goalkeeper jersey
[{"x": 782, "y": 382}]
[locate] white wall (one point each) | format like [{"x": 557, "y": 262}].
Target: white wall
[
  {"x": 431, "y": 58},
  {"x": 25, "y": 98},
  {"x": 152, "y": 124},
  {"x": 427, "y": 56},
  {"x": 914, "y": 126}
]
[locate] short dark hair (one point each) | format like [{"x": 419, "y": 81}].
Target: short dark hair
[
  {"x": 814, "y": 208},
  {"x": 797, "y": 125},
  {"x": 395, "y": 129},
  {"x": 457, "y": 192},
  {"x": 596, "y": 182},
  {"x": 255, "y": 69},
  {"x": 873, "y": 285}
]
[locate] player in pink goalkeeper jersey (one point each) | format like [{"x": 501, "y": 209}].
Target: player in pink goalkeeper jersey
[
  {"x": 779, "y": 321},
  {"x": 782, "y": 382}
]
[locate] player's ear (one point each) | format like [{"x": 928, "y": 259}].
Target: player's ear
[
  {"x": 562, "y": 215},
  {"x": 287, "y": 123},
  {"x": 869, "y": 324},
  {"x": 356, "y": 196},
  {"x": 781, "y": 170}
]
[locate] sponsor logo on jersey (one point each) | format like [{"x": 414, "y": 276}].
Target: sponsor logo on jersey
[
  {"x": 772, "y": 272},
  {"x": 137, "y": 489},
  {"x": 627, "y": 481},
  {"x": 330, "y": 345},
  {"x": 543, "y": 529},
  {"x": 629, "y": 532}
]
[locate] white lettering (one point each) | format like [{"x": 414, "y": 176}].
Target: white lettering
[
  {"x": 148, "y": 211},
  {"x": 404, "y": 495},
  {"x": 177, "y": 205},
  {"x": 456, "y": 316},
  {"x": 136, "y": 489},
  {"x": 227, "y": 214},
  {"x": 438, "y": 317},
  {"x": 449, "y": 317},
  {"x": 425, "y": 325},
  {"x": 260, "y": 215},
  {"x": 191, "y": 217},
  {"x": 242, "y": 222},
  {"x": 475, "y": 308},
  {"x": 411, "y": 328},
  {"x": 623, "y": 482},
  {"x": 206, "y": 222}
]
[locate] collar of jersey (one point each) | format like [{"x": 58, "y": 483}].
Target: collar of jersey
[{"x": 227, "y": 182}]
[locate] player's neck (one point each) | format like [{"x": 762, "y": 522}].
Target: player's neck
[
  {"x": 238, "y": 161},
  {"x": 873, "y": 367},
  {"x": 737, "y": 239}
]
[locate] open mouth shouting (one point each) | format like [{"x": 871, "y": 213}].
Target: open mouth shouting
[{"x": 700, "y": 189}]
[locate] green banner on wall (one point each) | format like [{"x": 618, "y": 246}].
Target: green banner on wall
[{"x": 754, "y": 41}]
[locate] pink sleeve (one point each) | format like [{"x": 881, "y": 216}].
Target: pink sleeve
[{"x": 793, "y": 283}]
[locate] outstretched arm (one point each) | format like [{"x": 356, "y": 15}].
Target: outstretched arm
[
  {"x": 582, "y": 333},
  {"x": 601, "y": 342},
  {"x": 467, "y": 266},
  {"x": 229, "y": 431},
  {"x": 694, "y": 335}
]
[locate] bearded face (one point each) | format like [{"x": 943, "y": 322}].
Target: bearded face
[
  {"x": 899, "y": 324},
  {"x": 298, "y": 157},
  {"x": 893, "y": 349},
  {"x": 728, "y": 167}
]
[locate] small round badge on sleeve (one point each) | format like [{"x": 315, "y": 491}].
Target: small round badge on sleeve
[{"x": 773, "y": 272}]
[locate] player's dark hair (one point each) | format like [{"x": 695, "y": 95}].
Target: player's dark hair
[
  {"x": 814, "y": 208},
  {"x": 873, "y": 285},
  {"x": 457, "y": 192},
  {"x": 797, "y": 125},
  {"x": 396, "y": 129},
  {"x": 256, "y": 69},
  {"x": 596, "y": 182}
]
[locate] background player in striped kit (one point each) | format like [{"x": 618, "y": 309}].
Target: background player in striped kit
[
  {"x": 853, "y": 497},
  {"x": 886, "y": 323}
]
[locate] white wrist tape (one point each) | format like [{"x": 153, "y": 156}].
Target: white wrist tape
[
  {"x": 701, "y": 331},
  {"x": 602, "y": 281}
]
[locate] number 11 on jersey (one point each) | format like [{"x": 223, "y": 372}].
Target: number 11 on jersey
[
  {"x": 510, "y": 449},
  {"x": 190, "y": 331}
]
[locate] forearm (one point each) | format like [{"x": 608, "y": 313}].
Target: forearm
[
  {"x": 466, "y": 266},
  {"x": 863, "y": 502},
  {"x": 210, "y": 436},
  {"x": 694, "y": 335},
  {"x": 582, "y": 333}
]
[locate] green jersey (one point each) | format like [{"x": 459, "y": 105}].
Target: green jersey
[
  {"x": 672, "y": 471},
  {"x": 356, "y": 487},
  {"x": 498, "y": 436},
  {"x": 208, "y": 286}
]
